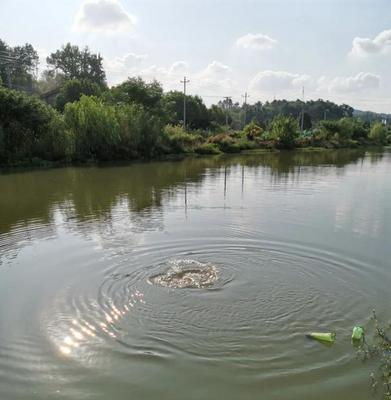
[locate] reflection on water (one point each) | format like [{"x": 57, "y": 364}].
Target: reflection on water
[
  {"x": 279, "y": 244},
  {"x": 81, "y": 332}
]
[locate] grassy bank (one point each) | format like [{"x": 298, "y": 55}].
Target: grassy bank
[{"x": 96, "y": 129}]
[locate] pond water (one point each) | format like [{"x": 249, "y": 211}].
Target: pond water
[{"x": 276, "y": 246}]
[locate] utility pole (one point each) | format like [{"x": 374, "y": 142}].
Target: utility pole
[
  {"x": 245, "y": 96},
  {"x": 302, "y": 114},
  {"x": 227, "y": 99},
  {"x": 185, "y": 82}
]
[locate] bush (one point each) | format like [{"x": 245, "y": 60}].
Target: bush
[
  {"x": 225, "y": 143},
  {"x": 252, "y": 131},
  {"x": 378, "y": 133},
  {"x": 177, "y": 140},
  {"x": 207, "y": 148},
  {"x": 73, "y": 89},
  {"x": 284, "y": 130},
  {"x": 95, "y": 128},
  {"x": 106, "y": 132},
  {"x": 30, "y": 128},
  {"x": 344, "y": 129},
  {"x": 140, "y": 132}
]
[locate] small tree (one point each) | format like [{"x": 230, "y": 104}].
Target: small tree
[
  {"x": 252, "y": 130},
  {"x": 73, "y": 89},
  {"x": 378, "y": 133},
  {"x": 284, "y": 130},
  {"x": 78, "y": 64}
]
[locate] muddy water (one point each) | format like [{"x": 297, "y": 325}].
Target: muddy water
[{"x": 194, "y": 279}]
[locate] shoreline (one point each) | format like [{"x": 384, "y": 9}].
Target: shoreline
[{"x": 39, "y": 164}]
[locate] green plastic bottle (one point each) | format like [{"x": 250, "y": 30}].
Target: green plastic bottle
[
  {"x": 358, "y": 333},
  {"x": 328, "y": 337}
]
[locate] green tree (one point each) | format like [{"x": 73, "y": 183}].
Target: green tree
[
  {"x": 73, "y": 89},
  {"x": 18, "y": 65},
  {"x": 137, "y": 91},
  {"x": 29, "y": 128},
  {"x": 197, "y": 116},
  {"x": 75, "y": 63},
  {"x": 252, "y": 130},
  {"x": 284, "y": 130},
  {"x": 378, "y": 133}
]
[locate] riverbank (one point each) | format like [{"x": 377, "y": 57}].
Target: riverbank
[
  {"x": 38, "y": 164},
  {"x": 34, "y": 134}
]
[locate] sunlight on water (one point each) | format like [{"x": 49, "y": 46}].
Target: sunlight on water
[{"x": 264, "y": 249}]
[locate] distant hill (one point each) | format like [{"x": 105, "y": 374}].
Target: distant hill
[{"x": 372, "y": 116}]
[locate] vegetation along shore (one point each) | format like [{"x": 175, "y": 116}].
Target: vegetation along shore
[{"x": 71, "y": 115}]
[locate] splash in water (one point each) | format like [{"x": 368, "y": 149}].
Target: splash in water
[{"x": 188, "y": 274}]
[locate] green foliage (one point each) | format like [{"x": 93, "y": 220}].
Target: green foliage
[
  {"x": 216, "y": 116},
  {"x": 284, "y": 130},
  {"x": 252, "y": 131},
  {"x": 177, "y": 140},
  {"x": 317, "y": 110},
  {"x": 75, "y": 63},
  {"x": 22, "y": 68},
  {"x": 106, "y": 132},
  {"x": 197, "y": 116},
  {"x": 73, "y": 89},
  {"x": 94, "y": 127},
  {"x": 225, "y": 143},
  {"x": 307, "y": 121},
  {"x": 140, "y": 132},
  {"x": 379, "y": 350},
  {"x": 29, "y": 128},
  {"x": 344, "y": 129},
  {"x": 207, "y": 148},
  {"x": 135, "y": 90},
  {"x": 378, "y": 133}
]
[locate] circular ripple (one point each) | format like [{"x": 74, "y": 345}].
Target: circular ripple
[
  {"x": 186, "y": 274},
  {"x": 266, "y": 293}
]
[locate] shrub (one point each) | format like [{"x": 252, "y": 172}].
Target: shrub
[
  {"x": 284, "y": 130},
  {"x": 106, "y": 132},
  {"x": 30, "y": 128},
  {"x": 73, "y": 89},
  {"x": 95, "y": 128},
  {"x": 252, "y": 131},
  {"x": 207, "y": 148},
  {"x": 344, "y": 129},
  {"x": 140, "y": 131},
  {"x": 378, "y": 133},
  {"x": 178, "y": 140},
  {"x": 225, "y": 143}
]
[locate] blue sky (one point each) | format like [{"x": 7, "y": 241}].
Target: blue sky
[{"x": 339, "y": 50}]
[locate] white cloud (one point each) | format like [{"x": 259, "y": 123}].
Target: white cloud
[
  {"x": 128, "y": 61},
  {"x": 179, "y": 67},
  {"x": 214, "y": 69},
  {"x": 256, "y": 41},
  {"x": 103, "y": 16},
  {"x": 271, "y": 81},
  {"x": 120, "y": 68},
  {"x": 362, "y": 82},
  {"x": 379, "y": 45}
]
